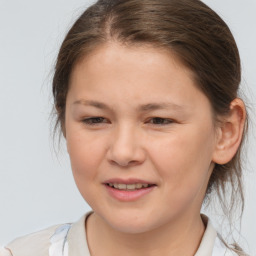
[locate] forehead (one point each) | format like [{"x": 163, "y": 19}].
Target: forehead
[
  {"x": 133, "y": 60},
  {"x": 115, "y": 51},
  {"x": 137, "y": 73}
]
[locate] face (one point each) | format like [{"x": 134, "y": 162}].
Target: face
[{"x": 140, "y": 136}]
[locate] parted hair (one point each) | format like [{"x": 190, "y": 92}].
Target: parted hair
[{"x": 189, "y": 29}]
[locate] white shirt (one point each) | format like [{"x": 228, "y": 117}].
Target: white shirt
[{"x": 70, "y": 240}]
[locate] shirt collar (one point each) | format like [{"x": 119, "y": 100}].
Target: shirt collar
[
  {"x": 208, "y": 239},
  {"x": 78, "y": 242}
]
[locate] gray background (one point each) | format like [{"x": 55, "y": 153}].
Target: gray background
[{"x": 36, "y": 186}]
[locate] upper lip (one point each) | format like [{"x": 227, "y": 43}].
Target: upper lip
[{"x": 128, "y": 181}]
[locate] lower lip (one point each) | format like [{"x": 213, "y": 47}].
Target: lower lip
[{"x": 128, "y": 195}]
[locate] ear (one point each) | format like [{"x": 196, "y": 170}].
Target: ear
[{"x": 230, "y": 133}]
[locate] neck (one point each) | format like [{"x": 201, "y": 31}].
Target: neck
[{"x": 180, "y": 237}]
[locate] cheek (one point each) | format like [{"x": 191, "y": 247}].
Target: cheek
[
  {"x": 184, "y": 158},
  {"x": 85, "y": 155},
  {"x": 183, "y": 164}
]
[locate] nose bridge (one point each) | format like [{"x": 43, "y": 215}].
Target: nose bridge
[{"x": 126, "y": 145}]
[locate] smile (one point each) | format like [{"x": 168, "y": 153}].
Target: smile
[
  {"x": 128, "y": 190},
  {"x": 131, "y": 187}
]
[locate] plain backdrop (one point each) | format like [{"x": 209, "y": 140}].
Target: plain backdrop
[{"x": 36, "y": 185}]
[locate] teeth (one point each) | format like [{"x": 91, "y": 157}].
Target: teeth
[
  {"x": 128, "y": 186},
  {"x": 138, "y": 185},
  {"x": 121, "y": 186},
  {"x": 115, "y": 185}
]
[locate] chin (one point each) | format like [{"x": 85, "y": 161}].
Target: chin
[
  {"x": 128, "y": 228},
  {"x": 131, "y": 222}
]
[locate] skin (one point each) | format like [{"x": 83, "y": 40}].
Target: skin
[{"x": 176, "y": 152}]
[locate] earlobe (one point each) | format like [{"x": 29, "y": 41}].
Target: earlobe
[{"x": 230, "y": 133}]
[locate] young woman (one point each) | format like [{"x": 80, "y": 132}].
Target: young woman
[{"x": 146, "y": 97}]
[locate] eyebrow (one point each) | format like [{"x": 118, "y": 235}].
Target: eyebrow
[{"x": 141, "y": 108}]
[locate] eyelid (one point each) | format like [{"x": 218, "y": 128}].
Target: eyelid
[
  {"x": 169, "y": 121},
  {"x": 98, "y": 120},
  {"x": 90, "y": 120}
]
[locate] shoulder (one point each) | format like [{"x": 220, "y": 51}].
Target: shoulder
[
  {"x": 50, "y": 241},
  {"x": 5, "y": 252},
  {"x": 33, "y": 244}
]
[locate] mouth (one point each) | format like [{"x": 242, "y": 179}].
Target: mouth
[
  {"x": 129, "y": 190},
  {"x": 129, "y": 187}
]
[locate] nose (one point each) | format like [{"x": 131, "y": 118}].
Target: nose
[{"x": 126, "y": 147}]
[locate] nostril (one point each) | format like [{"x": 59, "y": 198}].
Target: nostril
[{"x": 124, "y": 163}]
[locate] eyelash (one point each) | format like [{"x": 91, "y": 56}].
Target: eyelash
[
  {"x": 91, "y": 120},
  {"x": 99, "y": 120}
]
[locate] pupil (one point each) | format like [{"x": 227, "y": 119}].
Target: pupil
[{"x": 158, "y": 120}]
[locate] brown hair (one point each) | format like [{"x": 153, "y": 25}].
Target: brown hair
[{"x": 190, "y": 30}]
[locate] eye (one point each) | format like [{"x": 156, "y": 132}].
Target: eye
[
  {"x": 160, "y": 121},
  {"x": 94, "y": 120}
]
